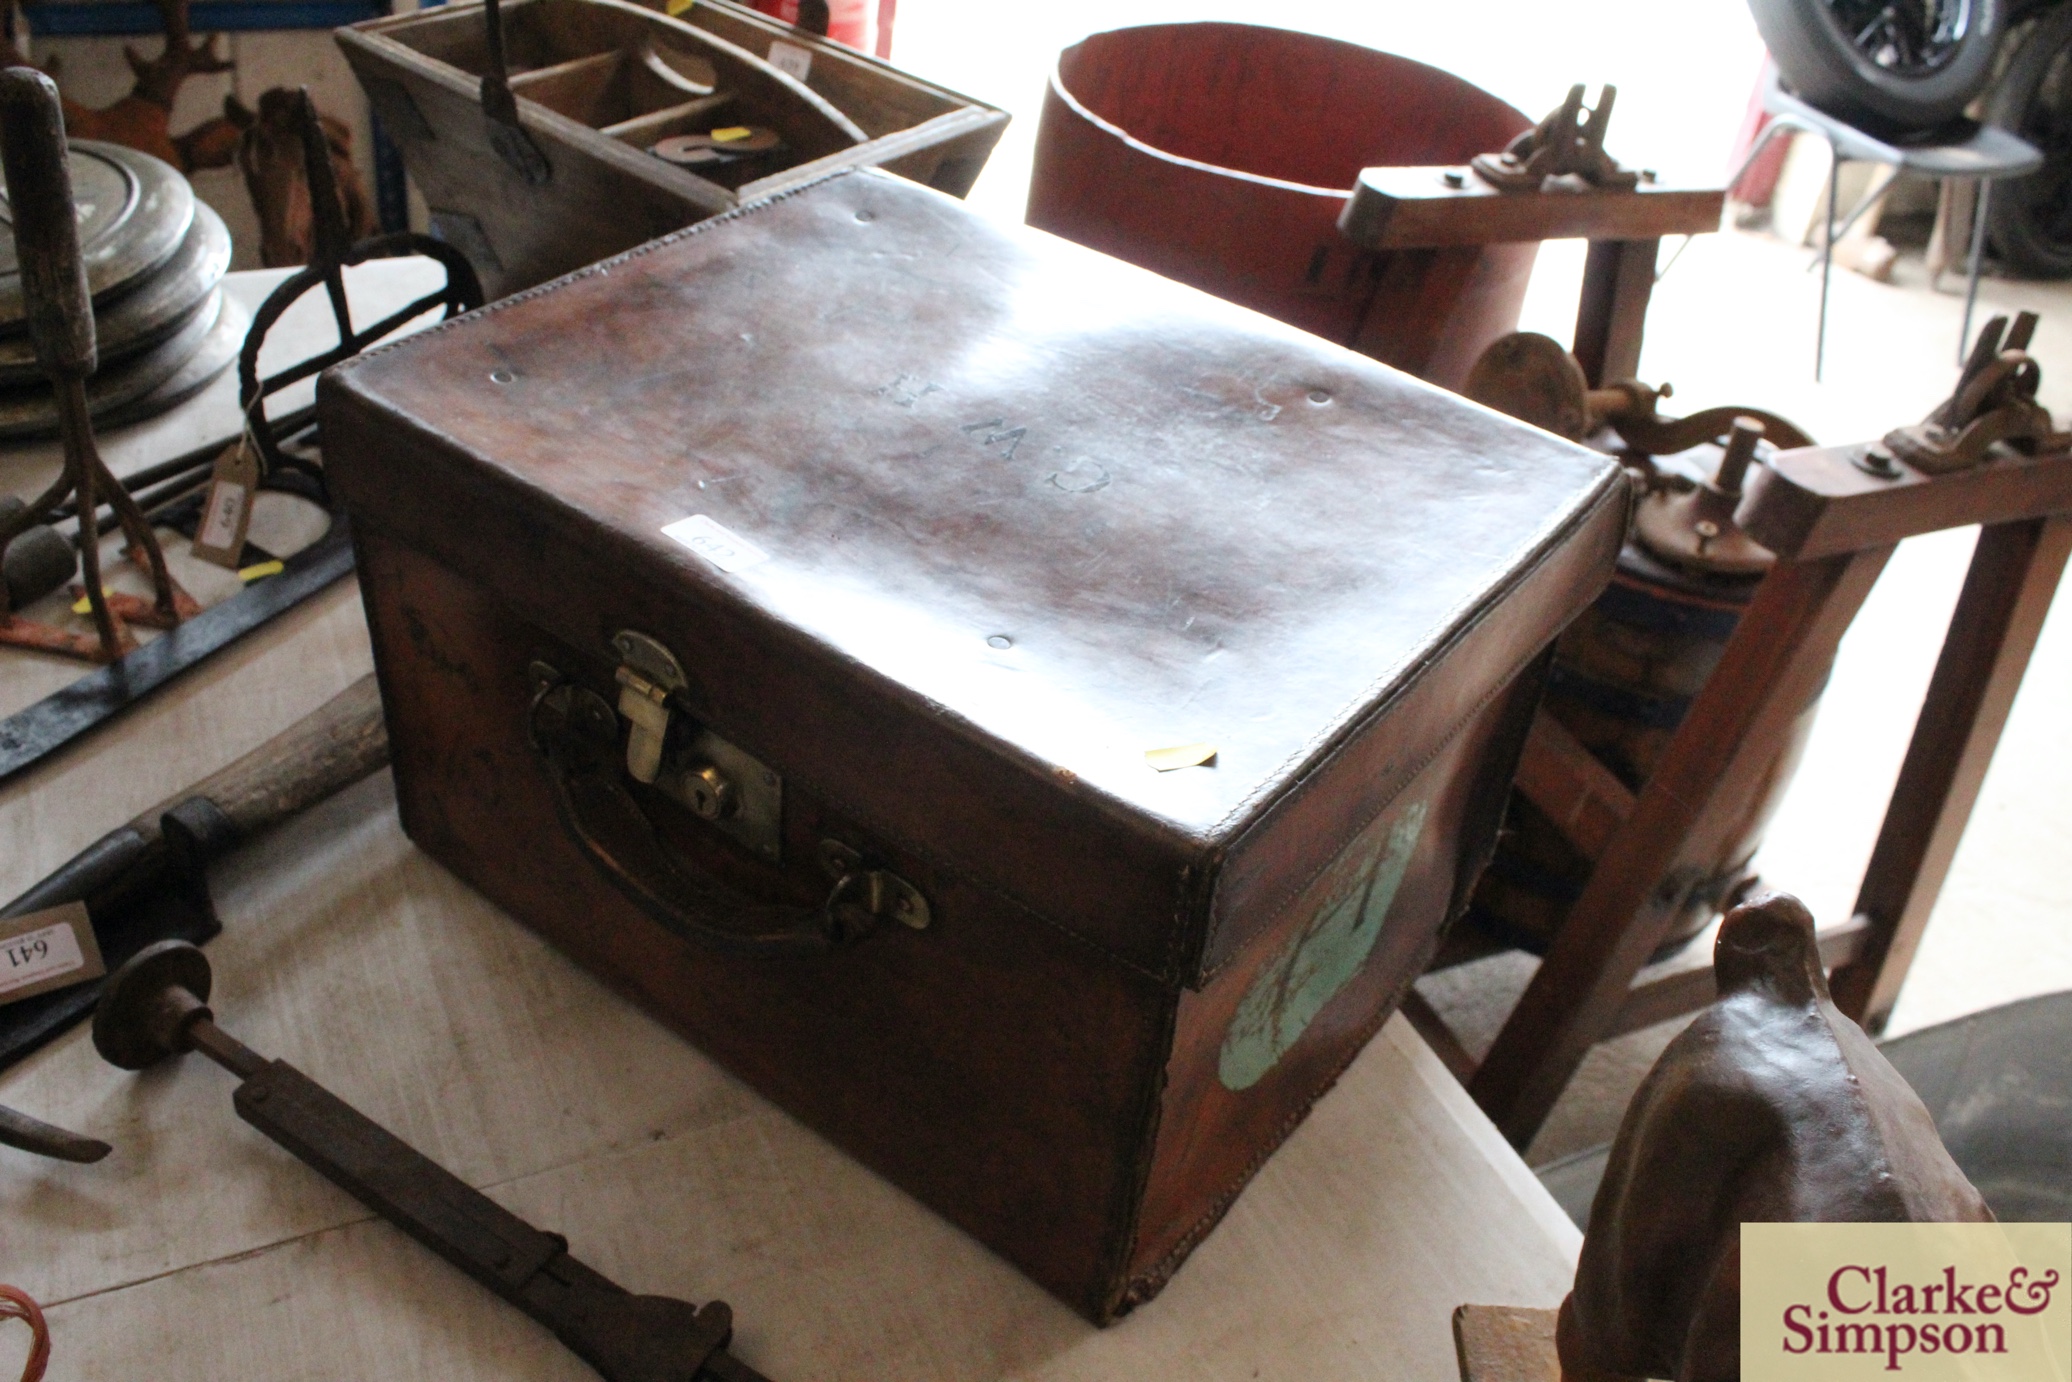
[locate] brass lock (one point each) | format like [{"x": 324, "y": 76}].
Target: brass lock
[
  {"x": 710, "y": 792},
  {"x": 717, "y": 780}
]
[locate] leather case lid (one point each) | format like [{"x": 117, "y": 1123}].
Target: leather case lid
[{"x": 1062, "y": 509}]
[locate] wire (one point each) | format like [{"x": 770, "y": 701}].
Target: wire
[
  {"x": 1663, "y": 272},
  {"x": 15, "y": 1304}
]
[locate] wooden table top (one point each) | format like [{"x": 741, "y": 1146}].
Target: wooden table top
[{"x": 200, "y": 1250}]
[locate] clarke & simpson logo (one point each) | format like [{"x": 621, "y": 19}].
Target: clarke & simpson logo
[
  {"x": 1875, "y": 1317},
  {"x": 1929, "y": 1301}
]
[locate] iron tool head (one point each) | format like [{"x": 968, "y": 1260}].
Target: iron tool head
[
  {"x": 141, "y": 1016},
  {"x": 139, "y": 890},
  {"x": 34, "y": 1135}
]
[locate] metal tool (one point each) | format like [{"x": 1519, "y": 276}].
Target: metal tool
[
  {"x": 148, "y": 880},
  {"x": 1534, "y": 379},
  {"x": 170, "y": 493},
  {"x": 1694, "y": 527},
  {"x": 31, "y": 733},
  {"x": 156, "y": 1006},
  {"x": 60, "y": 319},
  {"x": 1564, "y": 152},
  {"x": 1994, "y": 402},
  {"x": 500, "y": 108},
  {"x": 1682, "y": 519},
  {"x": 28, "y": 1134},
  {"x": 332, "y": 252}
]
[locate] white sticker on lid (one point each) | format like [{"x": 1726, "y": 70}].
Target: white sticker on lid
[
  {"x": 790, "y": 59},
  {"x": 728, "y": 551}
]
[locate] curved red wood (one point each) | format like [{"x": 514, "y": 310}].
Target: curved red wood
[{"x": 1222, "y": 155}]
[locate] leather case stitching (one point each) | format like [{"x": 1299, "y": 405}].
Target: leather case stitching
[
  {"x": 601, "y": 267},
  {"x": 1218, "y": 926}
]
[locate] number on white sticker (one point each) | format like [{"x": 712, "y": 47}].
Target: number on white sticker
[
  {"x": 790, "y": 59},
  {"x": 38, "y": 955},
  {"x": 727, "y": 550},
  {"x": 226, "y": 508}
]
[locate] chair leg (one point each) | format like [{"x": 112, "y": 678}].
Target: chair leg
[
  {"x": 1827, "y": 256},
  {"x": 1978, "y": 247},
  {"x": 1863, "y": 208},
  {"x": 1762, "y": 142}
]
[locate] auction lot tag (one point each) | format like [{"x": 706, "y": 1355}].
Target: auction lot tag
[
  {"x": 790, "y": 59},
  {"x": 226, "y": 515},
  {"x": 721, "y": 546},
  {"x": 46, "y": 950},
  {"x": 1928, "y": 1302}
]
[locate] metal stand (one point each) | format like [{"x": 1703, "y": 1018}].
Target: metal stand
[{"x": 1963, "y": 150}]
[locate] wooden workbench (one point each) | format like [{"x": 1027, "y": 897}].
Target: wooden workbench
[{"x": 199, "y": 1250}]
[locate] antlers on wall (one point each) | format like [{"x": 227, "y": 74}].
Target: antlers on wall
[
  {"x": 263, "y": 143},
  {"x": 158, "y": 80},
  {"x": 142, "y": 119}
]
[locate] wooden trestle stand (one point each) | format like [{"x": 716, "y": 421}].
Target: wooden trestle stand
[
  {"x": 1833, "y": 516},
  {"x": 1623, "y": 215}
]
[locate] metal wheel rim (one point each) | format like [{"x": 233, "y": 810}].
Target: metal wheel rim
[{"x": 1908, "y": 38}]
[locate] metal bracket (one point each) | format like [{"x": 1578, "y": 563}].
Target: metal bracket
[
  {"x": 880, "y": 892},
  {"x": 720, "y": 782},
  {"x": 648, "y": 675},
  {"x": 1563, "y": 153},
  {"x": 1995, "y": 401}
]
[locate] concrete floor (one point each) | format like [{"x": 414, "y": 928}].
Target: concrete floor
[{"x": 1732, "y": 322}]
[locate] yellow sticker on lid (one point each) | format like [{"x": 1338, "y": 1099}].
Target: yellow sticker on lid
[
  {"x": 1180, "y": 756},
  {"x": 731, "y": 133},
  {"x": 677, "y": 7}
]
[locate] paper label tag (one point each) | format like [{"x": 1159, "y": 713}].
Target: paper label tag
[
  {"x": 226, "y": 515},
  {"x": 47, "y": 950},
  {"x": 728, "y": 551},
  {"x": 1180, "y": 756},
  {"x": 790, "y": 59}
]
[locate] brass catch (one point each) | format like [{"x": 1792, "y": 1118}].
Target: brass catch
[
  {"x": 880, "y": 892},
  {"x": 646, "y": 708},
  {"x": 719, "y": 781}
]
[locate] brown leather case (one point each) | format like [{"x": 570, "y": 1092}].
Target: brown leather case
[{"x": 977, "y": 519}]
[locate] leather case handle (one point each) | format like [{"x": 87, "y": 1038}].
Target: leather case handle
[{"x": 576, "y": 734}]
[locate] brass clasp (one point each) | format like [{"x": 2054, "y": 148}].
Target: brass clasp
[{"x": 688, "y": 762}]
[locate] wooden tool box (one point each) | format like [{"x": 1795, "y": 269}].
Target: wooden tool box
[
  {"x": 791, "y": 619},
  {"x": 599, "y": 85}
]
